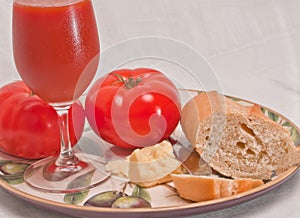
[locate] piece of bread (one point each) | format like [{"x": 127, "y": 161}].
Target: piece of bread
[
  {"x": 195, "y": 165},
  {"x": 235, "y": 140},
  {"x": 204, "y": 188}
]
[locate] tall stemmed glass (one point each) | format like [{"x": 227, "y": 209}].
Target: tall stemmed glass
[{"x": 56, "y": 51}]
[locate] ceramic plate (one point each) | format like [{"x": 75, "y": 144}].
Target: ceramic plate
[{"x": 163, "y": 198}]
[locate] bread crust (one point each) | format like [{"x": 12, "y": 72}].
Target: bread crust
[
  {"x": 203, "y": 188},
  {"x": 235, "y": 140}
]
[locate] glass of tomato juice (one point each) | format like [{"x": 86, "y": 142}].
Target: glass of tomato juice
[{"x": 56, "y": 52}]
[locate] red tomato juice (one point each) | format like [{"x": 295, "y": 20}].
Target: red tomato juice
[{"x": 56, "y": 47}]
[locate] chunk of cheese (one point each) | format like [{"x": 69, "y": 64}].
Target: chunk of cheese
[{"x": 146, "y": 164}]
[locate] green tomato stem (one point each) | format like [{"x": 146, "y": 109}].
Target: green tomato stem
[{"x": 129, "y": 82}]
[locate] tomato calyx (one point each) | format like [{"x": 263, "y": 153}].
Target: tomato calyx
[
  {"x": 128, "y": 82},
  {"x": 31, "y": 93}
]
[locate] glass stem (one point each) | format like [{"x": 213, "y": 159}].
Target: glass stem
[{"x": 66, "y": 156}]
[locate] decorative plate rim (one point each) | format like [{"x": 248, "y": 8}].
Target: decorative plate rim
[{"x": 216, "y": 204}]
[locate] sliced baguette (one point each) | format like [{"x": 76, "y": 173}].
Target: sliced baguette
[
  {"x": 204, "y": 188},
  {"x": 235, "y": 140}
]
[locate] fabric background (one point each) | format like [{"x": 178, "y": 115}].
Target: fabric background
[{"x": 252, "y": 45}]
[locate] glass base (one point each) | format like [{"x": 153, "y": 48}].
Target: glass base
[{"x": 44, "y": 175}]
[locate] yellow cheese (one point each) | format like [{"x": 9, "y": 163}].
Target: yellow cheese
[{"x": 146, "y": 165}]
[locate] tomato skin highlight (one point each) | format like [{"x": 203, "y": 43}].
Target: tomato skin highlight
[
  {"x": 29, "y": 126},
  {"x": 139, "y": 114}
]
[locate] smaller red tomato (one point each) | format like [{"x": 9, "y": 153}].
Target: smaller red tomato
[
  {"x": 29, "y": 126},
  {"x": 133, "y": 108}
]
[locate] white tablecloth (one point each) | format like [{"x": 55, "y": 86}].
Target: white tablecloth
[{"x": 252, "y": 45}]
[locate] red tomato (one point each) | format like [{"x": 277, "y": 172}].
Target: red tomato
[
  {"x": 29, "y": 126},
  {"x": 133, "y": 108}
]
